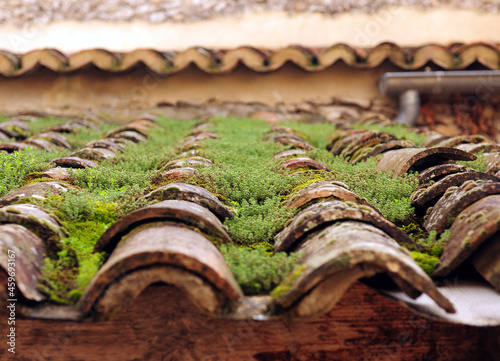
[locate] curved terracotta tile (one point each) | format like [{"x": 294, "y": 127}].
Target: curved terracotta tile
[
  {"x": 253, "y": 58},
  {"x": 105, "y": 143},
  {"x": 386, "y": 51},
  {"x": 303, "y": 57},
  {"x": 38, "y": 221},
  {"x": 460, "y": 139},
  {"x": 101, "y": 58},
  {"x": 292, "y": 140},
  {"x": 134, "y": 127},
  {"x": 338, "y": 52},
  {"x": 49, "y": 58},
  {"x": 16, "y": 129},
  {"x": 183, "y": 212},
  {"x": 16, "y": 146},
  {"x": 4, "y": 137},
  {"x": 479, "y": 147},
  {"x": 190, "y": 162},
  {"x": 337, "y": 142},
  {"x": 371, "y": 151},
  {"x": 157, "y": 245},
  {"x": 193, "y": 141},
  {"x": 94, "y": 154},
  {"x": 378, "y": 119},
  {"x": 323, "y": 189},
  {"x": 55, "y": 138},
  {"x": 290, "y": 153},
  {"x": 486, "y": 260},
  {"x": 74, "y": 162},
  {"x": 403, "y": 160},
  {"x": 41, "y": 144},
  {"x": 484, "y": 53},
  {"x": 455, "y": 200},
  {"x": 205, "y": 59},
  {"x": 130, "y": 135},
  {"x": 304, "y": 162},
  {"x": 340, "y": 254},
  {"x": 182, "y": 173},
  {"x": 493, "y": 160},
  {"x": 434, "y": 139},
  {"x": 429, "y": 194},
  {"x": 9, "y": 63},
  {"x": 190, "y": 153},
  {"x": 191, "y": 193},
  {"x": 362, "y": 140},
  {"x": 280, "y": 129},
  {"x": 159, "y": 62},
  {"x": 437, "y": 54},
  {"x": 29, "y": 254},
  {"x": 440, "y": 171},
  {"x": 472, "y": 227},
  {"x": 69, "y": 127},
  {"x": 323, "y": 213},
  {"x": 58, "y": 173},
  {"x": 36, "y": 190}
]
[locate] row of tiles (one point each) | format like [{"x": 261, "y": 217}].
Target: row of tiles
[
  {"x": 29, "y": 230},
  {"x": 455, "y": 56},
  {"x": 344, "y": 242}
]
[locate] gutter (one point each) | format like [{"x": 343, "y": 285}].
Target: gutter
[{"x": 409, "y": 85}]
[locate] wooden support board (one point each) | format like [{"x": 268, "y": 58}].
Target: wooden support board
[{"x": 163, "y": 325}]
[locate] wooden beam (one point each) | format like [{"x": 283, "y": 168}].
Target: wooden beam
[{"x": 164, "y": 325}]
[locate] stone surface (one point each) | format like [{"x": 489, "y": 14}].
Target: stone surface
[{"x": 20, "y": 12}]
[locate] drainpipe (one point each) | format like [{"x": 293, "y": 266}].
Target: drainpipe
[{"x": 408, "y": 85}]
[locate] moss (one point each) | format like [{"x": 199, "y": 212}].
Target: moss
[
  {"x": 466, "y": 242},
  {"x": 480, "y": 164},
  {"x": 306, "y": 184},
  {"x": 256, "y": 268},
  {"x": 288, "y": 282},
  {"x": 436, "y": 251},
  {"x": 41, "y": 180},
  {"x": 414, "y": 230},
  {"x": 14, "y": 167},
  {"x": 427, "y": 262},
  {"x": 449, "y": 222}
]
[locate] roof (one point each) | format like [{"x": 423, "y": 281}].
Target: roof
[
  {"x": 216, "y": 61},
  {"x": 175, "y": 234}
]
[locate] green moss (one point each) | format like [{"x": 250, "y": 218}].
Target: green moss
[
  {"x": 245, "y": 173},
  {"x": 466, "y": 242},
  {"x": 288, "y": 282},
  {"x": 427, "y": 262},
  {"x": 39, "y": 180},
  {"x": 307, "y": 183},
  {"x": 14, "y": 167},
  {"x": 257, "y": 269},
  {"x": 480, "y": 164}
]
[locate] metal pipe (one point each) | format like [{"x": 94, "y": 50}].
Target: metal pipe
[
  {"x": 480, "y": 83},
  {"x": 409, "y": 108}
]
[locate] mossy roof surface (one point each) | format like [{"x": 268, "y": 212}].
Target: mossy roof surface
[{"x": 233, "y": 159}]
